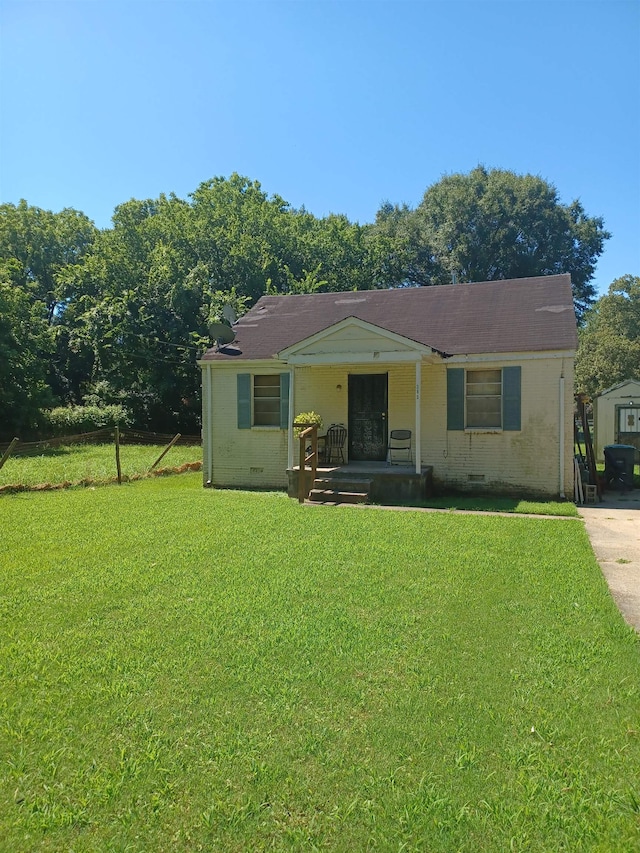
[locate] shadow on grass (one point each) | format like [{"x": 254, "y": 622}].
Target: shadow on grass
[
  {"x": 498, "y": 503},
  {"x": 43, "y": 452}
]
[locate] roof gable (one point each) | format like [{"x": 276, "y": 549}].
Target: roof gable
[
  {"x": 351, "y": 337},
  {"x": 632, "y": 384},
  {"x": 515, "y": 315}
]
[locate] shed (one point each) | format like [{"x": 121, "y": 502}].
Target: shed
[{"x": 616, "y": 416}]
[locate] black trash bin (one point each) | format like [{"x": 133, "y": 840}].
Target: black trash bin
[{"x": 618, "y": 466}]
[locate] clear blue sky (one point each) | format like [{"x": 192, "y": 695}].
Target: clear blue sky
[{"x": 337, "y": 106}]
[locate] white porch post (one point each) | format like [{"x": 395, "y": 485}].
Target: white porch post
[
  {"x": 561, "y": 438},
  {"x": 291, "y": 417},
  {"x": 209, "y": 434},
  {"x": 418, "y": 408}
]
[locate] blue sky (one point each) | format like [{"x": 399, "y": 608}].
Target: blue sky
[{"x": 335, "y": 106}]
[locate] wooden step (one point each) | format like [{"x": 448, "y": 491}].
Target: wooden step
[
  {"x": 334, "y": 496},
  {"x": 341, "y": 490}
]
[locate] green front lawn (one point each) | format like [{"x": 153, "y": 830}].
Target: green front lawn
[{"x": 185, "y": 669}]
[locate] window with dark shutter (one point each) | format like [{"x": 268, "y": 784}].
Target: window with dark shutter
[{"x": 484, "y": 399}]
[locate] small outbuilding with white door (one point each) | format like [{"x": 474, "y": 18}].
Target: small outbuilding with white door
[{"x": 616, "y": 416}]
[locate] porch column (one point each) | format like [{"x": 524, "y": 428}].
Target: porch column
[
  {"x": 418, "y": 408},
  {"x": 291, "y": 417},
  {"x": 208, "y": 437}
]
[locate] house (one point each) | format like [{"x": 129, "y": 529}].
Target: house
[
  {"x": 616, "y": 416},
  {"x": 482, "y": 375}
]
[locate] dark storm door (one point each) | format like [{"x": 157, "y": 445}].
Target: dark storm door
[{"x": 368, "y": 417}]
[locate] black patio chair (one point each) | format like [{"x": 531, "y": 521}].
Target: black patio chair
[{"x": 334, "y": 443}]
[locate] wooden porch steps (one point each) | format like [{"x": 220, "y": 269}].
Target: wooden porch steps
[{"x": 339, "y": 490}]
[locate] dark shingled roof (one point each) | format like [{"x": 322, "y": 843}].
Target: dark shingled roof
[{"x": 514, "y": 315}]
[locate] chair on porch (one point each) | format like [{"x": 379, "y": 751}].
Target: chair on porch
[
  {"x": 399, "y": 446},
  {"x": 334, "y": 443}
]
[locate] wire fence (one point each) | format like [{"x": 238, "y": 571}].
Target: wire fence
[
  {"x": 59, "y": 463},
  {"x": 100, "y": 436}
]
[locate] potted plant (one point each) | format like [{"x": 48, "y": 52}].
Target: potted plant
[{"x": 306, "y": 418}]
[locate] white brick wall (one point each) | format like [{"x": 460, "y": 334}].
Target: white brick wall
[
  {"x": 252, "y": 458},
  {"x": 527, "y": 459}
]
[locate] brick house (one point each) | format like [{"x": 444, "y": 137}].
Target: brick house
[{"x": 481, "y": 374}]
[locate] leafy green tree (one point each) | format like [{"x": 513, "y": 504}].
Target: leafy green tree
[
  {"x": 25, "y": 342},
  {"x": 139, "y": 310},
  {"x": 43, "y": 244},
  {"x": 403, "y": 250},
  {"x": 338, "y": 254},
  {"x": 236, "y": 235},
  {"x": 495, "y": 224},
  {"x": 45, "y": 252},
  {"x": 259, "y": 244},
  {"x": 609, "y": 346}
]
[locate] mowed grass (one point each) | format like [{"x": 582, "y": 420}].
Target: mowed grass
[
  {"x": 185, "y": 669},
  {"x": 91, "y": 463}
]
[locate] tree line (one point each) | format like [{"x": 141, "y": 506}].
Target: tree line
[{"x": 118, "y": 316}]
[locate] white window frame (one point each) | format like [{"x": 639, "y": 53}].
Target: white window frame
[
  {"x": 265, "y": 416},
  {"x": 473, "y": 415}
]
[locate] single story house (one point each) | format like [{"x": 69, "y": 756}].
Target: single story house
[
  {"x": 616, "y": 416},
  {"x": 481, "y": 374}
]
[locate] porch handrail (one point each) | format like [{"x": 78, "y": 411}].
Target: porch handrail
[{"x": 308, "y": 430}]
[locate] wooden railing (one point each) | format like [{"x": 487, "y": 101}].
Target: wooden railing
[{"x": 309, "y": 431}]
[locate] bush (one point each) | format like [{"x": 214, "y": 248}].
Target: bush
[{"x": 71, "y": 420}]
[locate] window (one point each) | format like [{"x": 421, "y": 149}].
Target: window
[
  {"x": 484, "y": 399},
  {"x": 263, "y": 400},
  {"x": 266, "y": 400}
]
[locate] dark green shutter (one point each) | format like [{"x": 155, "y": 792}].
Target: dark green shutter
[
  {"x": 455, "y": 398},
  {"x": 284, "y": 400},
  {"x": 511, "y": 382},
  {"x": 244, "y": 401}
]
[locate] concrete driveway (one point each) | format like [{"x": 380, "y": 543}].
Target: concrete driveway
[{"x": 613, "y": 526}]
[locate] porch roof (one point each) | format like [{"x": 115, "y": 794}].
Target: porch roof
[{"x": 515, "y": 315}]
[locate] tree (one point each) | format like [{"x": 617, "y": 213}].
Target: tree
[
  {"x": 44, "y": 252},
  {"x": 43, "y": 244},
  {"x": 24, "y": 343},
  {"x": 609, "y": 346},
  {"x": 140, "y": 309},
  {"x": 489, "y": 225},
  {"x": 403, "y": 250}
]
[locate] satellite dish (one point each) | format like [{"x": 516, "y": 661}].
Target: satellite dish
[
  {"x": 221, "y": 333},
  {"x": 229, "y": 314}
]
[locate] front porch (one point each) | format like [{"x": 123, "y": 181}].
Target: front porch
[{"x": 394, "y": 485}]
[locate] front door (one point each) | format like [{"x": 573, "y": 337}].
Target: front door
[{"x": 368, "y": 417}]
